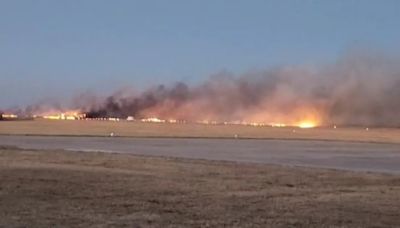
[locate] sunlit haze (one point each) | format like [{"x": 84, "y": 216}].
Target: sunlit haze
[{"x": 52, "y": 50}]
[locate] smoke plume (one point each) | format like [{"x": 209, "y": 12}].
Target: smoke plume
[{"x": 360, "y": 88}]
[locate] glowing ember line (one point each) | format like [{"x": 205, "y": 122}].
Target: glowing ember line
[{"x": 307, "y": 125}]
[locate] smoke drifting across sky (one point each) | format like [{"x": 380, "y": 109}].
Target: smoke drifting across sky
[{"x": 360, "y": 88}]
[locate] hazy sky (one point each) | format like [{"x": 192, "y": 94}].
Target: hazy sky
[{"x": 58, "y": 48}]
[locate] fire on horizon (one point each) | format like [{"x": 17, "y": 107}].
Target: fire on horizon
[
  {"x": 78, "y": 115},
  {"x": 359, "y": 89}
]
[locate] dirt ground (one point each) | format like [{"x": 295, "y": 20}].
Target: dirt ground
[
  {"x": 140, "y": 129},
  {"x": 76, "y": 189}
]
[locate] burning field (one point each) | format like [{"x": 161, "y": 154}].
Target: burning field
[
  {"x": 359, "y": 89},
  {"x": 199, "y": 114},
  {"x": 355, "y": 99}
]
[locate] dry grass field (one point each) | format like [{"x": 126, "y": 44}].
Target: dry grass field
[
  {"x": 139, "y": 129},
  {"x": 75, "y": 189}
]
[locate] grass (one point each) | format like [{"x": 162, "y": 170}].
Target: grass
[
  {"x": 76, "y": 189},
  {"x": 139, "y": 129}
]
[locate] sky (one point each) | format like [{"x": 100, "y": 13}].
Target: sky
[{"x": 55, "y": 49}]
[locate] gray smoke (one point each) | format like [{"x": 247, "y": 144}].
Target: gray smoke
[{"x": 361, "y": 88}]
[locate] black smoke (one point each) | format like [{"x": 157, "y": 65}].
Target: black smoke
[{"x": 360, "y": 88}]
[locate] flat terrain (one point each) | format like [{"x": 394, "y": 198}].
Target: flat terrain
[
  {"x": 139, "y": 129},
  {"x": 75, "y": 189},
  {"x": 196, "y": 175},
  {"x": 376, "y": 157}
]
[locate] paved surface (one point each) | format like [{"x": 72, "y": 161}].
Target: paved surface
[{"x": 337, "y": 155}]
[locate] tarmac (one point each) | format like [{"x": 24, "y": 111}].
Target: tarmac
[{"x": 355, "y": 156}]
